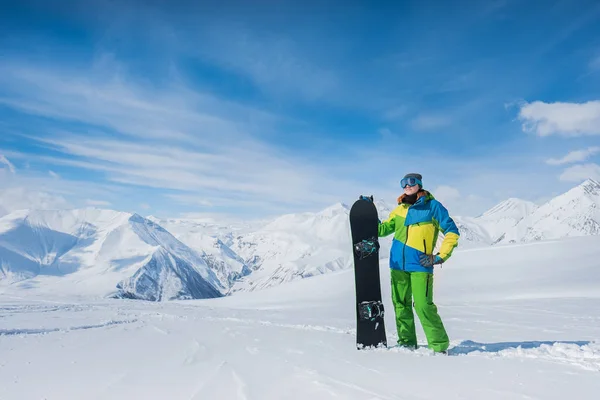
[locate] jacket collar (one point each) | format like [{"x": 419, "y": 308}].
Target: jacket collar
[{"x": 420, "y": 194}]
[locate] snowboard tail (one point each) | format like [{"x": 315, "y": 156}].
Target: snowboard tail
[{"x": 370, "y": 329}]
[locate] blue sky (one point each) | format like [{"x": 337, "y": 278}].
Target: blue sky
[{"x": 190, "y": 108}]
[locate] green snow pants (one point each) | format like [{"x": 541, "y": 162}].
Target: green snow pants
[{"x": 417, "y": 285}]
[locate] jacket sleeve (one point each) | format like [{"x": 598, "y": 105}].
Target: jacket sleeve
[
  {"x": 448, "y": 228},
  {"x": 387, "y": 227}
]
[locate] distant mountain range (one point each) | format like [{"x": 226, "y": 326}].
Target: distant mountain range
[
  {"x": 103, "y": 252},
  {"x": 574, "y": 213},
  {"x": 110, "y": 253}
]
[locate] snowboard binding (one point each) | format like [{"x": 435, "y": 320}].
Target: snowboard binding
[
  {"x": 366, "y": 247},
  {"x": 370, "y": 310}
]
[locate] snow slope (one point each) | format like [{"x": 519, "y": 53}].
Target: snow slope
[
  {"x": 100, "y": 252},
  {"x": 523, "y": 321}
]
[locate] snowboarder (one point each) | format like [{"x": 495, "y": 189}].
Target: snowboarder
[{"x": 416, "y": 223}]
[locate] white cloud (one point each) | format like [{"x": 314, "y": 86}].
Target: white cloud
[
  {"x": 97, "y": 203},
  {"x": 446, "y": 193},
  {"x": 54, "y": 174},
  {"x": 575, "y": 156},
  {"x": 460, "y": 204},
  {"x": 581, "y": 172},
  {"x": 194, "y": 200},
  {"x": 216, "y": 158},
  {"x": 110, "y": 100},
  {"x": 19, "y": 198},
  {"x": 566, "y": 119},
  {"x": 247, "y": 172},
  {"x": 40, "y": 189},
  {"x": 166, "y": 138},
  {"x": 145, "y": 206},
  {"x": 8, "y": 164}
]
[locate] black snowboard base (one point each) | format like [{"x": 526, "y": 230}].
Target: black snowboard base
[{"x": 370, "y": 329}]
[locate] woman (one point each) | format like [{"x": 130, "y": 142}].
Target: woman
[{"x": 416, "y": 223}]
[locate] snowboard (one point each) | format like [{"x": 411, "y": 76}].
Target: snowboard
[{"x": 370, "y": 328}]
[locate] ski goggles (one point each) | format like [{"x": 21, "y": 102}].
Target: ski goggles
[{"x": 410, "y": 181}]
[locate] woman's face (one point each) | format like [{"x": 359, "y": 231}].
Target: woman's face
[{"x": 408, "y": 190}]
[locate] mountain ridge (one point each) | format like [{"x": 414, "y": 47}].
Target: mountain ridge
[{"x": 249, "y": 257}]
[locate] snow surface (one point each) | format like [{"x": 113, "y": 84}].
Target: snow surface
[{"x": 524, "y": 322}]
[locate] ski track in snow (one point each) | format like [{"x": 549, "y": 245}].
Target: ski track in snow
[
  {"x": 583, "y": 353},
  {"x": 225, "y": 383},
  {"x": 7, "y": 332}
]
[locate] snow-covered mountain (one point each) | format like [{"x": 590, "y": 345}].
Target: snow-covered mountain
[
  {"x": 204, "y": 237},
  {"x": 504, "y": 216},
  {"x": 296, "y": 246},
  {"x": 472, "y": 232},
  {"x": 574, "y": 213},
  {"x": 102, "y": 252}
]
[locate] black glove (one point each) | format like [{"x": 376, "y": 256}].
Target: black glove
[{"x": 428, "y": 260}]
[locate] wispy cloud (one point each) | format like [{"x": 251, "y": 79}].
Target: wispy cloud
[
  {"x": 395, "y": 113},
  {"x": 20, "y": 198},
  {"x": 575, "y": 156},
  {"x": 111, "y": 100},
  {"x": 169, "y": 138},
  {"x": 566, "y": 119},
  {"x": 433, "y": 121},
  {"x": 581, "y": 172},
  {"x": 199, "y": 109},
  {"x": 97, "y": 203},
  {"x": 595, "y": 63},
  {"x": 55, "y": 191},
  {"x": 252, "y": 172},
  {"x": 4, "y": 161},
  {"x": 195, "y": 200},
  {"x": 275, "y": 63},
  {"x": 587, "y": 16},
  {"x": 447, "y": 193}
]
